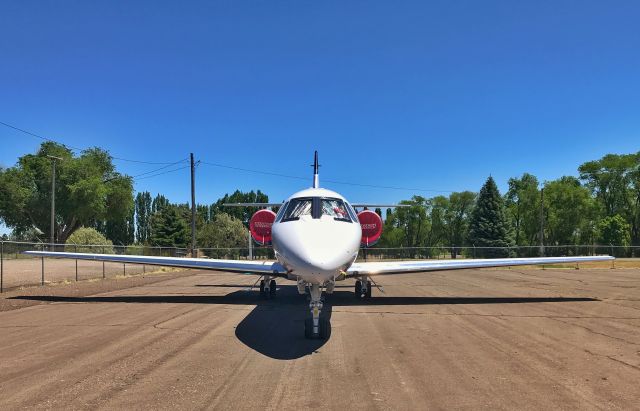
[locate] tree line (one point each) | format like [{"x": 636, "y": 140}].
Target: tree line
[{"x": 600, "y": 206}]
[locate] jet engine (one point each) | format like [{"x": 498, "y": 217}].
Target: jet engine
[
  {"x": 371, "y": 224},
  {"x": 260, "y": 226}
]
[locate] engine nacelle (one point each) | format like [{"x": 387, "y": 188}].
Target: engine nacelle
[
  {"x": 260, "y": 226},
  {"x": 371, "y": 225}
]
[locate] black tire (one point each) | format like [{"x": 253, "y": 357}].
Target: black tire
[
  {"x": 308, "y": 328},
  {"x": 262, "y": 293},
  {"x": 272, "y": 289},
  {"x": 368, "y": 293},
  {"x": 325, "y": 329},
  {"x": 358, "y": 288}
]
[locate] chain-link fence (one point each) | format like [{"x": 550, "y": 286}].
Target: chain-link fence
[
  {"x": 383, "y": 253},
  {"x": 18, "y": 269}
]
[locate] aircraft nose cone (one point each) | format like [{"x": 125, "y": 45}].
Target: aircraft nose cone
[{"x": 318, "y": 246}]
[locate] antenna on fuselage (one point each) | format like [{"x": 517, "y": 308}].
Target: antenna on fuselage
[{"x": 316, "y": 180}]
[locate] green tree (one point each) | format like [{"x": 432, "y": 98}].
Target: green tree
[
  {"x": 202, "y": 214},
  {"x": 85, "y": 236},
  {"x": 523, "y": 206},
  {"x": 570, "y": 212},
  {"x": 613, "y": 230},
  {"x": 170, "y": 227},
  {"x": 159, "y": 203},
  {"x": 241, "y": 213},
  {"x": 615, "y": 181},
  {"x": 224, "y": 231},
  {"x": 88, "y": 191},
  {"x": 119, "y": 227},
  {"x": 456, "y": 219},
  {"x": 392, "y": 234},
  {"x": 489, "y": 225},
  {"x": 143, "y": 217},
  {"x": 413, "y": 221}
]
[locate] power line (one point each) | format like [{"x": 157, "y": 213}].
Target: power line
[
  {"x": 168, "y": 164},
  {"x": 77, "y": 148},
  {"x": 158, "y": 169},
  {"x": 253, "y": 171},
  {"x": 164, "y": 172},
  {"x": 328, "y": 181}
]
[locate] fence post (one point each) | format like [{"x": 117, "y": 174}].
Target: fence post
[
  {"x": 124, "y": 269},
  {"x": 1, "y": 266},
  {"x": 76, "y": 248},
  {"x": 42, "y": 274},
  {"x": 103, "y": 275}
]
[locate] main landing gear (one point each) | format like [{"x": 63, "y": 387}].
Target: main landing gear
[
  {"x": 267, "y": 288},
  {"x": 363, "y": 288},
  {"x": 316, "y": 327}
]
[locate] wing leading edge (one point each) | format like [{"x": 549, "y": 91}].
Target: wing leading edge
[
  {"x": 238, "y": 266},
  {"x": 400, "y": 267}
]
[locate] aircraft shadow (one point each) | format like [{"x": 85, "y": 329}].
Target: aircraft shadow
[{"x": 275, "y": 328}]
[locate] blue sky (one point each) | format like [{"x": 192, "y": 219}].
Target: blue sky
[{"x": 430, "y": 95}]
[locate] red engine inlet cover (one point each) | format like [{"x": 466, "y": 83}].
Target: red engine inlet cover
[
  {"x": 260, "y": 226},
  {"x": 371, "y": 224}
]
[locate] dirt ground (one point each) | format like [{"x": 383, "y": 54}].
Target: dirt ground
[{"x": 496, "y": 339}]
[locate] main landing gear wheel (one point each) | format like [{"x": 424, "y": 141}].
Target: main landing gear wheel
[
  {"x": 268, "y": 292},
  {"x": 272, "y": 289},
  {"x": 363, "y": 292}
]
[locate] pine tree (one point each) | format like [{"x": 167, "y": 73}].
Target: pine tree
[
  {"x": 489, "y": 225},
  {"x": 170, "y": 227}
]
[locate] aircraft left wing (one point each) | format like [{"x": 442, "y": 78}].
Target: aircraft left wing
[
  {"x": 238, "y": 266},
  {"x": 401, "y": 267}
]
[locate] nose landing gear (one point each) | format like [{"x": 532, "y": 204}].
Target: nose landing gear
[{"x": 316, "y": 326}]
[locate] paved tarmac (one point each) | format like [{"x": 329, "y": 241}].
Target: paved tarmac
[{"x": 495, "y": 339}]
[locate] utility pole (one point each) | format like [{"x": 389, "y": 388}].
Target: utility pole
[
  {"x": 193, "y": 208},
  {"x": 542, "y": 222},
  {"x": 53, "y": 197}
]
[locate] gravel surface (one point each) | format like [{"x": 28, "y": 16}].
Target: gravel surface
[{"x": 495, "y": 339}]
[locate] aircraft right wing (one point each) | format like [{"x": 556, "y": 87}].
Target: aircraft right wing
[
  {"x": 238, "y": 266},
  {"x": 401, "y": 267},
  {"x": 252, "y": 204}
]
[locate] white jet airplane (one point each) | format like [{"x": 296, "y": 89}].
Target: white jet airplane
[{"x": 316, "y": 237}]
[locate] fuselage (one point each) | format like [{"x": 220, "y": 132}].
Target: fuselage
[{"x": 316, "y": 235}]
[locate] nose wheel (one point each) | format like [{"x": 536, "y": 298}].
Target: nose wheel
[{"x": 363, "y": 289}]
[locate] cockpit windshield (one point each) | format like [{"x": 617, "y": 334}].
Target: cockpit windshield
[
  {"x": 316, "y": 207},
  {"x": 297, "y": 208},
  {"x": 335, "y": 208}
]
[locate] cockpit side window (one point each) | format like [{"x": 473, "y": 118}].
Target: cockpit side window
[
  {"x": 297, "y": 207},
  {"x": 281, "y": 211},
  {"x": 352, "y": 212},
  {"x": 335, "y": 208}
]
